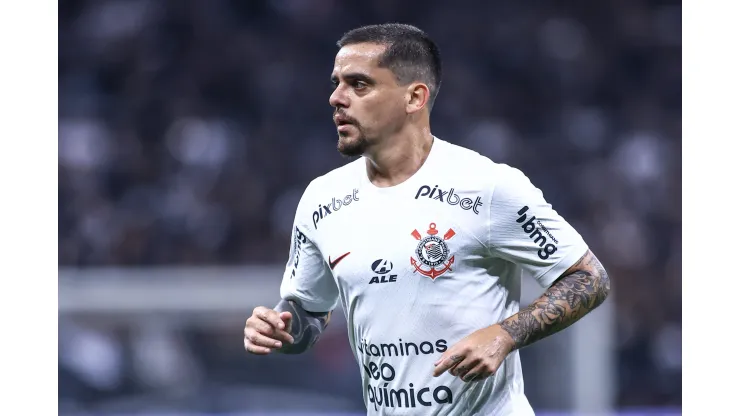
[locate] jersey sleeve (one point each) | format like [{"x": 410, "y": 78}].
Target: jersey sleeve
[
  {"x": 307, "y": 278},
  {"x": 525, "y": 229}
]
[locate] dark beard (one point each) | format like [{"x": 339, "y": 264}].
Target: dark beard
[{"x": 351, "y": 149}]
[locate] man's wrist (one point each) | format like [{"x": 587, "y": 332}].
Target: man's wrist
[
  {"x": 503, "y": 337},
  {"x": 305, "y": 327}
]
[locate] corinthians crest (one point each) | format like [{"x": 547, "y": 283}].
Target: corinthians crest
[{"x": 432, "y": 252}]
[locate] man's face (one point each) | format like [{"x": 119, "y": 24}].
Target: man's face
[{"x": 368, "y": 102}]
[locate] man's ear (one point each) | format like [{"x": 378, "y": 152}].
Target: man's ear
[{"x": 417, "y": 97}]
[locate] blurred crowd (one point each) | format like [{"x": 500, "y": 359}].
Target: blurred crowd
[{"x": 188, "y": 130}]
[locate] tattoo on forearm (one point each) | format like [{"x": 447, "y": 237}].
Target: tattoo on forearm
[
  {"x": 582, "y": 288},
  {"x": 306, "y": 327}
]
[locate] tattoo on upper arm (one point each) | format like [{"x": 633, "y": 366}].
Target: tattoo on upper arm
[{"x": 581, "y": 289}]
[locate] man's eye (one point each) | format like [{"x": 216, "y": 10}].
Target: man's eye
[{"x": 359, "y": 85}]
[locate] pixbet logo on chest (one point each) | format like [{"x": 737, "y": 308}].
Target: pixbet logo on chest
[
  {"x": 335, "y": 204},
  {"x": 450, "y": 197}
]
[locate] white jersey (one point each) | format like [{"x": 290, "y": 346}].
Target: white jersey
[{"x": 419, "y": 266}]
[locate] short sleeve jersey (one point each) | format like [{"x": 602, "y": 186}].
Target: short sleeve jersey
[{"x": 418, "y": 266}]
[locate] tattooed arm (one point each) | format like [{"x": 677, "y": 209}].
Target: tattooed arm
[
  {"x": 525, "y": 230},
  {"x": 577, "y": 292},
  {"x": 305, "y": 327}
]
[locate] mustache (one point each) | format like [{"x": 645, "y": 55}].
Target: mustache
[{"x": 346, "y": 118}]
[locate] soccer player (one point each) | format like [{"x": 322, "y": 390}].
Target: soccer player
[{"x": 424, "y": 244}]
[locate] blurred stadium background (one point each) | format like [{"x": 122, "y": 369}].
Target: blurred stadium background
[{"x": 189, "y": 128}]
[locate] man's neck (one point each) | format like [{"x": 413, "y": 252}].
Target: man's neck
[{"x": 399, "y": 159}]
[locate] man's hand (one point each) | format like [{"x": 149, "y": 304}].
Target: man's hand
[
  {"x": 476, "y": 356},
  {"x": 266, "y": 330}
]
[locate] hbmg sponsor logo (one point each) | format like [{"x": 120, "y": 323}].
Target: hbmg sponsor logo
[
  {"x": 379, "y": 394},
  {"x": 334, "y": 206},
  {"x": 450, "y": 197},
  {"x": 537, "y": 233}
]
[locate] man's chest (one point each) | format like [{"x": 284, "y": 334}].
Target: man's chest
[{"x": 387, "y": 244}]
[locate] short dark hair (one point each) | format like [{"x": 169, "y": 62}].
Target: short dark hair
[{"x": 410, "y": 54}]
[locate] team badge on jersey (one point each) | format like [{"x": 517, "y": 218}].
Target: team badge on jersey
[{"x": 432, "y": 252}]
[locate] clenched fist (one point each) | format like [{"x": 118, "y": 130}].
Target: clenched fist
[{"x": 267, "y": 330}]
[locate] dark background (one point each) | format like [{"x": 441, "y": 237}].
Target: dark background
[{"x": 189, "y": 128}]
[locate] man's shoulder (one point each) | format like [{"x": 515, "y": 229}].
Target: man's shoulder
[
  {"x": 345, "y": 174},
  {"x": 468, "y": 163},
  {"x": 328, "y": 193},
  {"x": 341, "y": 180}
]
